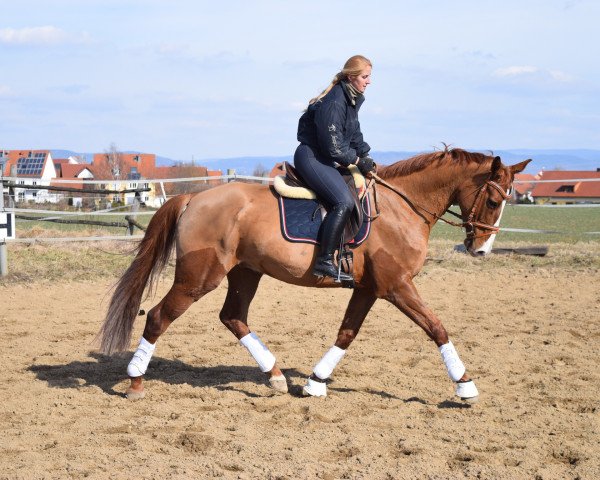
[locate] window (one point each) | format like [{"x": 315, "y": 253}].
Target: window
[{"x": 566, "y": 189}]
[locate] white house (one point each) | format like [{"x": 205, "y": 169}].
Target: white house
[{"x": 33, "y": 167}]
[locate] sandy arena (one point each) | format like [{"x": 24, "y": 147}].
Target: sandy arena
[{"x": 528, "y": 336}]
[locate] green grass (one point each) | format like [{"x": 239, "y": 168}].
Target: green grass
[
  {"x": 571, "y": 223},
  {"x": 39, "y": 228}
]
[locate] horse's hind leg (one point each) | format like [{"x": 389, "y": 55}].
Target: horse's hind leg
[
  {"x": 243, "y": 283},
  {"x": 358, "y": 307},
  {"x": 193, "y": 280}
]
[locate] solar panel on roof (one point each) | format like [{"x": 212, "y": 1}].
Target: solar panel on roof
[{"x": 29, "y": 166}]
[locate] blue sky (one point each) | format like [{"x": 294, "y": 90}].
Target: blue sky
[{"x": 205, "y": 79}]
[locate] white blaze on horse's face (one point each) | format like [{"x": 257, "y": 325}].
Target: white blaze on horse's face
[{"x": 489, "y": 243}]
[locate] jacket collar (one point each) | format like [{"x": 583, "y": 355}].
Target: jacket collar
[{"x": 358, "y": 101}]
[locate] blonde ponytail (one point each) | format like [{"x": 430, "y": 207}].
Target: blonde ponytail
[{"x": 353, "y": 66}]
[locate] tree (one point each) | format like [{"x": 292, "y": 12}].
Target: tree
[
  {"x": 260, "y": 171},
  {"x": 112, "y": 166},
  {"x": 115, "y": 161}
]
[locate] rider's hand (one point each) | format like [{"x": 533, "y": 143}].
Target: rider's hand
[{"x": 365, "y": 165}]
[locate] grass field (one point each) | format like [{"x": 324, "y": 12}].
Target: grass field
[
  {"x": 571, "y": 225},
  {"x": 46, "y": 229},
  {"x": 570, "y": 247}
]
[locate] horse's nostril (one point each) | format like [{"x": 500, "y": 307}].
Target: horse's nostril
[{"x": 480, "y": 253}]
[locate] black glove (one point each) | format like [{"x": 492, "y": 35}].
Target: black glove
[{"x": 365, "y": 165}]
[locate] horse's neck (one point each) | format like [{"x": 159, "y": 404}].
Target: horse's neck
[{"x": 432, "y": 188}]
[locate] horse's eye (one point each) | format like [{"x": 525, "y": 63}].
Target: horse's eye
[{"x": 491, "y": 204}]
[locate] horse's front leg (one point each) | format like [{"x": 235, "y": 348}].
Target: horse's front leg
[
  {"x": 358, "y": 307},
  {"x": 408, "y": 300}
]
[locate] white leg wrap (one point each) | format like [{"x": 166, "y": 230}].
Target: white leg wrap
[
  {"x": 141, "y": 358},
  {"x": 259, "y": 351},
  {"x": 325, "y": 367},
  {"x": 455, "y": 367},
  {"x": 314, "y": 388},
  {"x": 466, "y": 390}
]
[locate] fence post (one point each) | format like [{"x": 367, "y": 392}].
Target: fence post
[
  {"x": 3, "y": 249},
  {"x": 162, "y": 187}
]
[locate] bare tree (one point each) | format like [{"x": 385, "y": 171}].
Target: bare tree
[
  {"x": 260, "y": 171},
  {"x": 111, "y": 166},
  {"x": 115, "y": 161}
]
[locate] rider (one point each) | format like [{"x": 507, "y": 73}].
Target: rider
[{"x": 329, "y": 133}]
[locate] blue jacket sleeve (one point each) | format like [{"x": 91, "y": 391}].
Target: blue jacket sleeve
[
  {"x": 358, "y": 144},
  {"x": 330, "y": 120}
]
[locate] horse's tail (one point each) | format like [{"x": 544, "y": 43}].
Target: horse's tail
[{"x": 153, "y": 253}]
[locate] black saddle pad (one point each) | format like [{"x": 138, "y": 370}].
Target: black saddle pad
[{"x": 301, "y": 221}]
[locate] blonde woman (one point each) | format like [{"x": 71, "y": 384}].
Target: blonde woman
[{"x": 329, "y": 134}]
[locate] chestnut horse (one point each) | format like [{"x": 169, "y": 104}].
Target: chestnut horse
[{"x": 233, "y": 231}]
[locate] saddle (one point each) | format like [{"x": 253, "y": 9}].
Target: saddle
[{"x": 293, "y": 186}]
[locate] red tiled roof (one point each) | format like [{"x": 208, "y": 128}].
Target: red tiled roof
[
  {"x": 567, "y": 187},
  {"x": 178, "y": 171},
  {"x": 13, "y": 158},
  {"x": 522, "y": 188},
  {"x": 71, "y": 170}
]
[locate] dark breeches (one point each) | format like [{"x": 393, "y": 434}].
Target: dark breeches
[{"x": 323, "y": 178}]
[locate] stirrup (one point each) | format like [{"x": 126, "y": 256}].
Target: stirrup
[{"x": 327, "y": 269}]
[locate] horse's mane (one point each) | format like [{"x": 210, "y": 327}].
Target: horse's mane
[{"x": 423, "y": 160}]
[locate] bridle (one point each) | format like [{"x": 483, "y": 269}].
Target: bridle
[{"x": 471, "y": 223}]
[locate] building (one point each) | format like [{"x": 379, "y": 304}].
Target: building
[
  {"x": 120, "y": 171},
  {"x": 137, "y": 167},
  {"x": 33, "y": 167},
  {"x": 73, "y": 171},
  {"x": 524, "y": 186},
  {"x": 568, "y": 188}
]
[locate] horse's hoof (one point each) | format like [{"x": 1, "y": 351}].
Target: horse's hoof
[
  {"x": 278, "y": 383},
  {"x": 135, "y": 394},
  {"x": 314, "y": 388},
  {"x": 467, "y": 391},
  {"x": 470, "y": 399}
]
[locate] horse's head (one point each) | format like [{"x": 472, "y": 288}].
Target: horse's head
[{"x": 482, "y": 201}]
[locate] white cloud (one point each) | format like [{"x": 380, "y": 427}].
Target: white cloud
[
  {"x": 5, "y": 91},
  {"x": 560, "y": 76},
  {"x": 529, "y": 71},
  {"x": 46, "y": 35},
  {"x": 516, "y": 70}
]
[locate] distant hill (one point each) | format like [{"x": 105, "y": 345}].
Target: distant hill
[
  {"x": 568, "y": 159},
  {"x": 90, "y": 156},
  {"x": 541, "y": 160}
]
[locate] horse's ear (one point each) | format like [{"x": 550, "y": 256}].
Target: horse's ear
[
  {"x": 519, "y": 167},
  {"x": 496, "y": 165}
]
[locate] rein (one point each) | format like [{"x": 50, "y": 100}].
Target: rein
[{"x": 469, "y": 224}]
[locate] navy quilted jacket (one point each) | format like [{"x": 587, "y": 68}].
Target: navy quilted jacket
[{"x": 330, "y": 126}]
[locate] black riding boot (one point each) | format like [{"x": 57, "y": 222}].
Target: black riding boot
[{"x": 331, "y": 235}]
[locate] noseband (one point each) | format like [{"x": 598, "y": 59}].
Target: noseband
[{"x": 471, "y": 223}]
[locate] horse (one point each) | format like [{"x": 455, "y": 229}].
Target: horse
[{"x": 233, "y": 231}]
